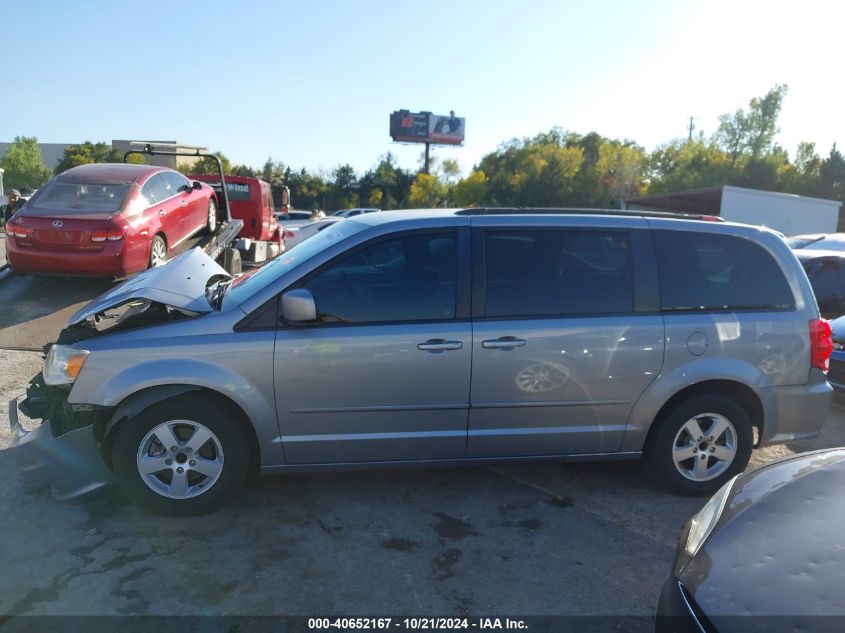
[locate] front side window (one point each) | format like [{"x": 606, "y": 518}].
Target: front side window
[
  {"x": 176, "y": 183},
  {"x": 409, "y": 278},
  {"x": 707, "y": 271},
  {"x": 538, "y": 273}
]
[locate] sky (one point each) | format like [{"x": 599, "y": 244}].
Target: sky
[{"x": 312, "y": 84}]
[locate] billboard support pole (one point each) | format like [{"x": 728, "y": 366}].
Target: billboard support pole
[{"x": 427, "y": 146}]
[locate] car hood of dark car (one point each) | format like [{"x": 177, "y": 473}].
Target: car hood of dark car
[
  {"x": 779, "y": 546},
  {"x": 180, "y": 284}
]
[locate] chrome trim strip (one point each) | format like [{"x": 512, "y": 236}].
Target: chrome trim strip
[
  {"x": 389, "y": 407},
  {"x": 543, "y": 430},
  {"x": 338, "y": 437},
  {"x": 545, "y": 403}
]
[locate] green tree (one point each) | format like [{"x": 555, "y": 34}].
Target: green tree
[
  {"x": 23, "y": 164},
  {"x": 471, "y": 191},
  {"x": 683, "y": 164},
  {"x": 87, "y": 153},
  {"x": 751, "y": 134},
  {"x": 208, "y": 165},
  {"x": 427, "y": 191}
]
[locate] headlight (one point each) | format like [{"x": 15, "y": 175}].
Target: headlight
[
  {"x": 702, "y": 524},
  {"x": 63, "y": 364}
]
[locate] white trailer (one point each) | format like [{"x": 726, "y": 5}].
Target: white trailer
[{"x": 785, "y": 212}]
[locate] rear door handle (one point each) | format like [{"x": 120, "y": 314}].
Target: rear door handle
[
  {"x": 439, "y": 345},
  {"x": 162, "y": 212},
  {"x": 503, "y": 342},
  {"x": 184, "y": 203}
]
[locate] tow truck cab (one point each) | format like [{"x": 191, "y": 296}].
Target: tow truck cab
[{"x": 250, "y": 200}]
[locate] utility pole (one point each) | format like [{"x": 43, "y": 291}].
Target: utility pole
[
  {"x": 691, "y": 128},
  {"x": 425, "y": 167}
]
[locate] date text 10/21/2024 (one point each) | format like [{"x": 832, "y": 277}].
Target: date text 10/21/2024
[{"x": 420, "y": 623}]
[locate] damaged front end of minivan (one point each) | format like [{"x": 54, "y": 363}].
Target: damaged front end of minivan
[{"x": 63, "y": 444}]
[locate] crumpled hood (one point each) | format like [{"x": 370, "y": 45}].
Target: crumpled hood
[{"x": 180, "y": 283}]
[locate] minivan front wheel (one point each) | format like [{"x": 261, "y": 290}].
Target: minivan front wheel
[
  {"x": 701, "y": 443},
  {"x": 183, "y": 456}
]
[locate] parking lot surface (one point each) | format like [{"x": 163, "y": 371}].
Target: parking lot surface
[{"x": 552, "y": 539}]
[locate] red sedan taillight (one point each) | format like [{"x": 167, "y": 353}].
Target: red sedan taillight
[
  {"x": 821, "y": 344},
  {"x": 112, "y": 235},
  {"x": 16, "y": 230}
]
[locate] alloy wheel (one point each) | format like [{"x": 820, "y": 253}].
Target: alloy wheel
[
  {"x": 704, "y": 447},
  {"x": 180, "y": 459}
]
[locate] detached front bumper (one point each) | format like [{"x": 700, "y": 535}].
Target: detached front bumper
[{"x": 71, "y": 463}]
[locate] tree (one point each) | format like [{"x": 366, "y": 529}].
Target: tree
[
  {"x": 427, "y": 191},
  {"x": 752, "y": 133},
  {"x": 621, "y": 167},
  {"x": 471, "y": 191},
  {"x": 87, "y": 153},
  {"x": 208, "y": 165},
  {"x": 23, "y": 164}
]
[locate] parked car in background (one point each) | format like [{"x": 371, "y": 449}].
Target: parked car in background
[
  {"x": 293, "y": 218},
  {"x": 826, "y": 271},
  {"x": 769, "y": 547},
  {"x": 297, "y": 234},
  {"x": 470, "y": 335},
  {"x": 108, "y": 220},
  {"x": 820, "y": 242},
  {"x": 351, "y": 213},
  {"x": 800, "y": 241},
  {"x": 836, "y": 374}
]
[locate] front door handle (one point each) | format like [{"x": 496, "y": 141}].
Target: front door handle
[
  {"x": 503, "y": 342},
  {"x": 184, "y": 203},
  {"x": 439, "y": 345},
  {"x": 162, "y": 212}
]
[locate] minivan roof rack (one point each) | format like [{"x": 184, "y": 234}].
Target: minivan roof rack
[{"x": 575, "y": 211}]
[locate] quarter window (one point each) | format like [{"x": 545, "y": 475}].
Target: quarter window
[
  {"x": 411, "y": 278},
  {"x": 557, "y": 272},
  {"x": 706, "y": 271},
  {"x": 176, "y": 183}
]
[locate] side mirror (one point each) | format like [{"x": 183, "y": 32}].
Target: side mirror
[
  {"x": 196, "y": 185},
  {"x": 298, "y": 306}
]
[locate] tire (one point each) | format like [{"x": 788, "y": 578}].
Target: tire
[
  {"x": 211, "y": 219},
  {"x": 210, "y": 476},
  {"x": 232, "y": 262},
  {"x": 676, "y": 459},
  {"x": 158, "y": 251}
]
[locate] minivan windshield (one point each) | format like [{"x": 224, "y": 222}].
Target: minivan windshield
[
  {"x": 259, "y": 278},
  {"x": 79, "y": 198}
]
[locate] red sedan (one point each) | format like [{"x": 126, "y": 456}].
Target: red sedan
[{"x": 108, "y": 219}]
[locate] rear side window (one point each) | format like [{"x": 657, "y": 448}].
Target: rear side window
[
  {"x": 704, "y": 271},
  {"x": 156, "y": 189},
  {"x": 557, "y": 272}
]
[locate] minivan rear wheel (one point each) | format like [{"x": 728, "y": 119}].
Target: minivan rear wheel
[
  {"x": 701, "y": 443},
  {"x": 183, "y": 456}
]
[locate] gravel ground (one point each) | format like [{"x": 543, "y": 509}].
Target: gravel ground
[{"x": 17, "y": 369}]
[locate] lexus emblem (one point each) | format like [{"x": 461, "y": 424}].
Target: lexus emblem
[{"x": 57, "y": 224}]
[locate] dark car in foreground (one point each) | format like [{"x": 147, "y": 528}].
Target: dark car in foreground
[
  {"x": 766, "y": 552},
  {"x": 826, "y": 272},
  {"x": 109, "y": 220}
]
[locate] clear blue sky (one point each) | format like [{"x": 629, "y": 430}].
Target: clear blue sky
[{"x": 312, "y": 83}]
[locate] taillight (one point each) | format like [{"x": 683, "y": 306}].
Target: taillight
[
  {"x": 112, "y": 235},
  {"x": 16, "y": 231},
  {"x": 821, "y": 344}
]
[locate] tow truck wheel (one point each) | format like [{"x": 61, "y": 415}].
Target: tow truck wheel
[
  {"x": 211, "y": 223},
  {"x": 232, "y": 262},
  {"x": 183, "y": 456}
]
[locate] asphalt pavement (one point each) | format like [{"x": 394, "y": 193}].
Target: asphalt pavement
[{"x": 551, "y": 539}]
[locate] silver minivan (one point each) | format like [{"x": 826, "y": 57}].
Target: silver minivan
[{"x": 443, "y": 336}]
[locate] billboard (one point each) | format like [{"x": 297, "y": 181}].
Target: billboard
[{"x": 425, "y": 127}]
